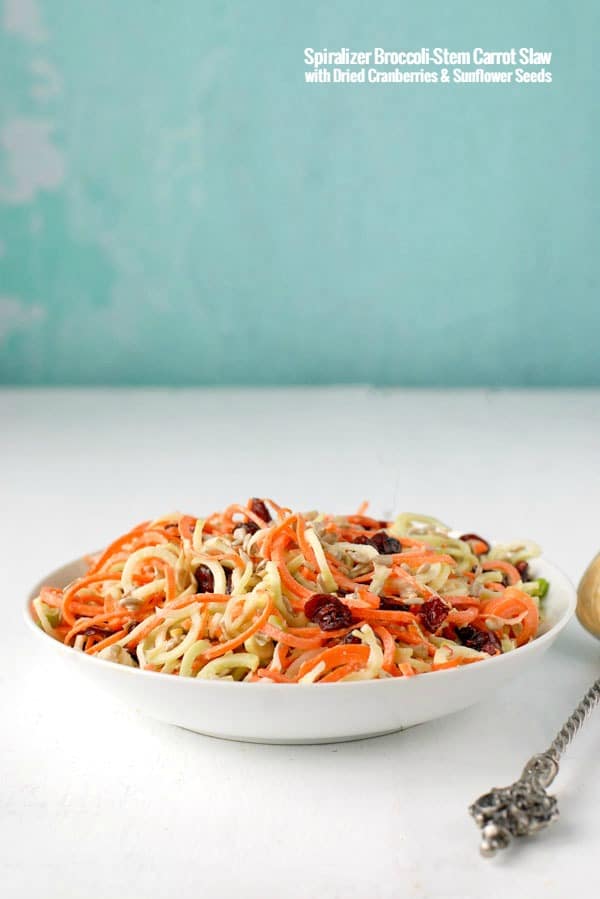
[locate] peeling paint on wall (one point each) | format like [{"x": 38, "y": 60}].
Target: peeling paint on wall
[
  {"x": 17, "y": 316},
  {"x": 48, "y": 83},
  {"x": 23, "y": 17},
  {"x": 32, "y": 161}
]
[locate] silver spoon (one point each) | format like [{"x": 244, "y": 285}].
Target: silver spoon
[{"x": 525, "y": 807}]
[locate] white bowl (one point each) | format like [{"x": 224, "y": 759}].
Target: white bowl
[{"x": 311, "y": 713}]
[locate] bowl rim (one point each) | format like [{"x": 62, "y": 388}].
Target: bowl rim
[{"x": 567, "y": 588}]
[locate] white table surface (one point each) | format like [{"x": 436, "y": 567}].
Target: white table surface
[{"x": 97, "y": 801}]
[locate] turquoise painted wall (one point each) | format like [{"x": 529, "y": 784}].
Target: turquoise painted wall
[{"x": 179, "y": 207}]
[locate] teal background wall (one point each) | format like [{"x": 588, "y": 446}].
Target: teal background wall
[{"x": 178, "y": 207}]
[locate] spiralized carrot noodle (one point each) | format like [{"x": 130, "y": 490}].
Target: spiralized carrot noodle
[{"x": 263, "y": 594}]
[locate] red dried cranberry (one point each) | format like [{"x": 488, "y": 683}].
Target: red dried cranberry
[
  {"x": 433, "y": 613},
  {"x": 523, "y": 569},
  {"x": 490, "y": 647},
  {"x": 327, "y": 611},
  {"x": 350, "y": 638},
  {"x": 481, "y": 640},
  {"x": 393, "y": 604},
  {"x": 204, "y": 579},
  {"x": 97, "y": 632},
  {"x": 258, "y": 507},
  {"x": 384, "y": 544},
  {"x": 468, "y": 537},
  {"x": 362, "y": 539},
  {"x": 248, "y": 527},
  {"x": 313, "y": 604}
]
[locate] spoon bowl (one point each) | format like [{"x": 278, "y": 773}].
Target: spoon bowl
[{"x": 588, "y": 598}]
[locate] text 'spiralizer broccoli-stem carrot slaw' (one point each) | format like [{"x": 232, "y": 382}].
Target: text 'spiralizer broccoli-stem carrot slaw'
[{"x": 261, "y": 593}]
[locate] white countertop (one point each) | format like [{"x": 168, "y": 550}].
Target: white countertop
[{"x": 97, "y": 801}]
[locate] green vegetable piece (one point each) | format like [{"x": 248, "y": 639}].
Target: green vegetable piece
[
  {"x": 53, "y": 616},
  {"x": 542, "y": 587}
]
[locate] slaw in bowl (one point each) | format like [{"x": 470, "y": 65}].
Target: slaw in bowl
[{"x": 258, "y": 593}]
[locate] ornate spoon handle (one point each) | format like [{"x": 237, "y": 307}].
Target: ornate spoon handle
[{"x": 525, "y": 807}]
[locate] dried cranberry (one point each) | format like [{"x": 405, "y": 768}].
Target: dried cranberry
[
  {"x": 433, "y": 613},
  {"x": 258, "y": 507},
  {"x": 492, "y": 646},
  {"x": 384, "y": 544},
  {"x": 327, "y": 611},
  {"x": 247, "y": 527},
  {"x": 350, "y": 638},
  {"x": 468, "y": 537},
  {"x": 362, "y": 539},
  {"x": 204, "y": 579},
  {"x": 523, "y": 569},
  {"x": 250, "y": 527},
  {"x": 97, "y": 632},
  {"x": 482, "y": 641},
  {"x": 393, "y": 604}
]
